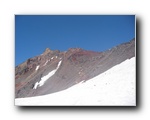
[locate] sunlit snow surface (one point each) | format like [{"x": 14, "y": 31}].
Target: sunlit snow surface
[{"x": 113, "y": 87}]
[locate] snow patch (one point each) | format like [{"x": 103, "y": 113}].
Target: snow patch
[
  {"x": 36, "y": 85},
  {"x": 37, "y": 67},
  {"x": 46, "y": 77},
  {"x": 45, "y": 63},
  {"x": 58, "y": 65}
]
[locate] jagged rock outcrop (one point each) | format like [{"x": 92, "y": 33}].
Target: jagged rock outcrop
[{"x": 61, "y": 70}]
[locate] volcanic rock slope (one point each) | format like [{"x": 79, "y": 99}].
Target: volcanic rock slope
[{"x": 54, "y": 71}]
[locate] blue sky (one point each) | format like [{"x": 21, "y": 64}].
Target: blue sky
[{"x": 35, "y": 33}]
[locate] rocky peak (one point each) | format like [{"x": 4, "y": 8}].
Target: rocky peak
[{"x": 47, "y": 50}]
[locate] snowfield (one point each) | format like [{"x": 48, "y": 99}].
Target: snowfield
[{"x": 115, "y": 87}]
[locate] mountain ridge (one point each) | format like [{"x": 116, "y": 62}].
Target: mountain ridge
[{"x": 76, "y": 65}]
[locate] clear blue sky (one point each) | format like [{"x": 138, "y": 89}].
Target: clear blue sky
[{"x": 35, "y": 33}]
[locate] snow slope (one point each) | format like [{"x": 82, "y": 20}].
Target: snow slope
[{"x": 116, "y": 86}]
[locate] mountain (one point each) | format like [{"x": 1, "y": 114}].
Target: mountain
[
  {"x": 54, "y": 71},
  {"x": 115, "y": 86}
]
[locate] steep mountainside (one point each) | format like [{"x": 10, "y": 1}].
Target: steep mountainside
[
  {"x": 54, "y": 71},
  {"x": 116, "y": 86}
]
